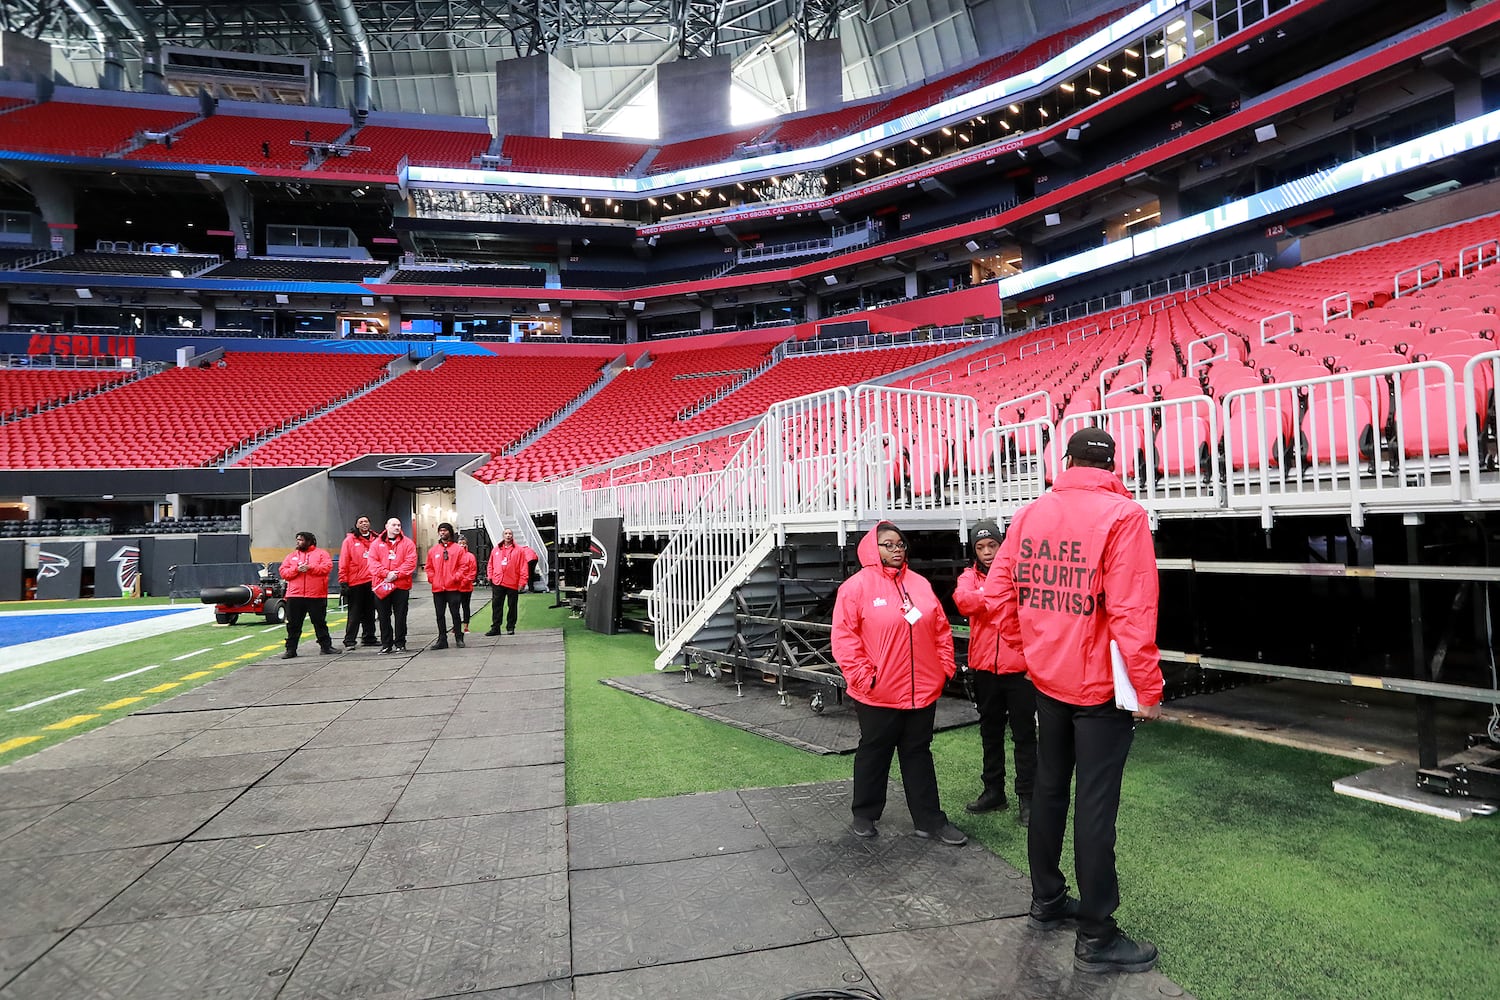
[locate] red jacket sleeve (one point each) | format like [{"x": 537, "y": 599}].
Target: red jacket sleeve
[
  {"x": 1130, "y": 581},
  {"x": 1002, "y": 571},
  {"x": 406, "y": 563},
  {"x": 289, "y": 566},
  {"x": 346, "y": 559},
  {"x": 848, "y": 645},
  {"x": 320, "y": 564},
  {"x": 945, "y": 643}
]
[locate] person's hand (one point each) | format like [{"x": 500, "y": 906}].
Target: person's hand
[
  {"x": 1148, "y": 712},
  {"x": 390, "y": 577}
]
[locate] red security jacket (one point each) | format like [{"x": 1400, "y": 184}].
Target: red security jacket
[
  {"x": 1082, "y": 571},
  {"x": 510, "y": 566},
  {"x": 445, "y": 574},
  {"x": 314, "y": 582},
  {"x": 887, "y": 661},
  {"x": 981, "y": 598},
  {"x": 468, "y": 569},
  {"x": 354, "y": 564},
  {"x": 400, "y": 555}
]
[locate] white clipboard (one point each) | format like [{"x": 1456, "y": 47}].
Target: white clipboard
[{"x": 1125, "y": 696}]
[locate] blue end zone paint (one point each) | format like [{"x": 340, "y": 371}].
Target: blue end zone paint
[{"x": 16, "y": 629}]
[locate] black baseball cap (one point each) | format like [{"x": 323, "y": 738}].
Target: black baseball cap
[{"x": 1092, "y": 444}]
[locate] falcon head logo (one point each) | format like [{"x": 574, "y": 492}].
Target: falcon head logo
[
  {"x": 598, "y": 559},
  {"x": 127, "y": 560},
  {"x": 50, "y": 564}
]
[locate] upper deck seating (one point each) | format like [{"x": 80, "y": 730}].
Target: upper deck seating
[
  {"x": 81, "y": 129},
  {"x": 24, "y": 389},
  {"x": 420, "y": 146},
  {"x": 93, "y": 262},
  {"x": 297, "y": 269},
  {"x": 242, "y": 140},
  {"x": 542, "y": 154}
]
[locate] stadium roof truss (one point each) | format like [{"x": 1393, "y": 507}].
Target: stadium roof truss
[{"x": 438, "y": 56}]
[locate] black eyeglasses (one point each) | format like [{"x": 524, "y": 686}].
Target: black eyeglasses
[{"x": 892, "y": 546}]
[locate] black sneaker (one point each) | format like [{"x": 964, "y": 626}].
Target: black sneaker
[
  {"x": 349, "y": 644},
  {"x": 327, "y": 650},
  {"x": 1023, "y": 811},
  {"x": 493, "y": 631},
  {"x": 440, "y": 644},
  {"x": 1054, "y": 913},
  {"x": 401, "y": 648},
  {"x": 384, "y": 650},
  {"x": 290, "y": 654},
  {"x": 458, "y": 637},
  {"x": 863, "y": 828},
  {"x": 947, "y": 834},
  {"x": 510, "y": 631},
  {"x": 990, "y": 800},
  {"x": 1115, "y": 953},
  {"x": 370, "y": 642}
]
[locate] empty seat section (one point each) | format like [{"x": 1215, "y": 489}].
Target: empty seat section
[
  {"x": 22, "y": 390},
  {"x": 420, "y": 147},
  {"x": 696, "y": 152},
  {"x": 158, "y": 264},
  {"x": 541, "y": 154},
  {"x": 81, "y": 129},
  {"x": 480, "y": 404},
  {"x": 296, "y": 269},
  {"x": 243, "y": 141},
  {"x": 185, "y": 416}
]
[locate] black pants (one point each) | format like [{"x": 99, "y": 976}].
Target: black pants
[
  {"x": 361, "y": 603},
  {"x": 463, "y": 597},
  {"x": 299, "y": 608},
  {"x": 501, "y": 600},
  {"x": 1094, "y": 739},
  {"x": 446, "y": 603},
  {"x": 393, "y": 605},
  {"x": 1002, "y": 697},
  {"x": 908, "y": 734}
]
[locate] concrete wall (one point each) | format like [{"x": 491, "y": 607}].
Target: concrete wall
[
  {"x": 1433, "y": 213},
  {"x": 823, "y": 74},
  {"x": 692, "y": 97},
  {"x": 326, "y": 507},
  {"x": 537, "y": 95}
]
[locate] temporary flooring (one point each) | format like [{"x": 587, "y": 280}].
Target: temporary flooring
[
  {"x": 366, "y": 826},
  {"x": 757, "y": 707}
]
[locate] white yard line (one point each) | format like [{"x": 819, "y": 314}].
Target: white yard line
[
  {"x": 60, "y": 647},
  {"x": 188, "y": 656},
  {"x": 43, "y": 701},
  {"x": 131, "y": 673},
  {"x": 242, "y": 638}
]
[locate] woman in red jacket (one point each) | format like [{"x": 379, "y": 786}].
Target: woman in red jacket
[{"x": 893, "y": 644}]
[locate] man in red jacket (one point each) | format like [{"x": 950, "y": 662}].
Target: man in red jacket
[
  {"x": 354, "y": 577},
  {"x": 894, "y": 647},
  {"x": 393, "y": 561},
  {"x": 509, "y": 570},
  {"x": 305, "y": 570},
  {"x": 1081, "y": 570},
  {"x": 1001, "y": 690},
  {"x": 444, "y": 568}
]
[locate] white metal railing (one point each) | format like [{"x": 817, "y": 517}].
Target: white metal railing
[
  {"x": 862, "y": 342},
  {"x": 1478, "y": 256},
  {"x": 1082, "y": 333},
  {"x": 1477, "y": 387},
  {"x": 1189, "y": 285},
  {"x": 1037, "y": 346},
  {"x": 1206, "y": 350},
  {"x": 1166, "y": 451},
  {"x": 1415, "y": 278},
  {"x": 1278, "y": 325},
  {"x": 984, "y": 364},
  {"x": 918, "y": 447},
  {"x": 1339, "y": 305},
  {"x": 1136, "y": 383}
]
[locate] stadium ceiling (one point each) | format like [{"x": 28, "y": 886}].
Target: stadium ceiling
[{"x": 438, "y": 56}]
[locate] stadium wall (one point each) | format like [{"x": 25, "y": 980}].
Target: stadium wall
[{"x": 1431, "y": 213}]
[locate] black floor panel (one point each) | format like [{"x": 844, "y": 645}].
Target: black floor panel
[
  {"x": 425, "y": 854},
  {"x": 686, "y": 826}
]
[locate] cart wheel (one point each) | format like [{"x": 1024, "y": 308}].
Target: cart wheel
[
  {"x": 275, "y": 611},
  {"x": 224, "y": 618},
  {"x": 817, "y": 702}
]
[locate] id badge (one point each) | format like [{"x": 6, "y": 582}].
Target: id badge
[{"x": 912, "y": 615}]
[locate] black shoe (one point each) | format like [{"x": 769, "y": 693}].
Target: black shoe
[
  {"x": 1054, "y": 913},
  {"x": 990, "y": 800},
  {"x": 386, "y": 649},
  {"x": 440, "y": 644},
  {"x": 327, "y": 650},
  {"x": 290, "y": 654},
  {"x": 947, "y": 834},
  {"x": 349, "y": 644},
  {"x": 401, "y": 648},
  {"x": 493, "y": 631},
  {"x": 1023, "y": 811},
  {"x": 863, "y": 828},
  {"x": 1114, "y": 953},
  {"x": 510, "y": 631},
  {"x": 458, "y": 637}
]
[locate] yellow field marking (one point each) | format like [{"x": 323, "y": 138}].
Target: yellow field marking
[
  {"x": 267, "y": 649},
  {"x": 221, "y": 666},
  {"x": 19, "y": 741},
  {"x": 196, "y": 674},
  {"x": 120, "y": 704},
  {"x": 163, "y": 687},
  {"x": 251, "y": 656},
  {"x": 72, "y": 721}
]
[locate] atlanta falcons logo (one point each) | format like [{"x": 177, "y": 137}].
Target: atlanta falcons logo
[
  {"x": 50, "y": 564},
  {"x": 598, "y": 559},
  {"x": 127, "y": 562}
]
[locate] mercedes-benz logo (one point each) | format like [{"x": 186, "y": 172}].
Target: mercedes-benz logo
[{"x": 410, "y": 464}]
